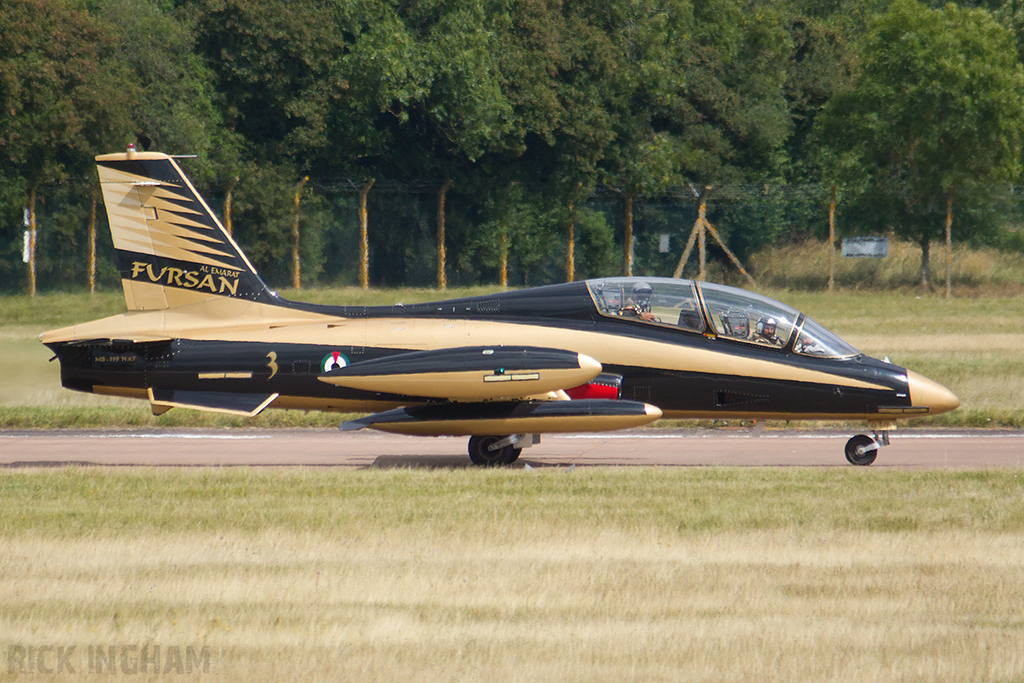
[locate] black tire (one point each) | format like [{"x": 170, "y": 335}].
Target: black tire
[
  {"x": 860, "y": 459},
  {"x": 480, "y": 454}
]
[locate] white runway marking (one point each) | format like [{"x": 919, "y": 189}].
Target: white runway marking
[
  {"x": 792, "y": 435},
  {"x": 198, "y": 436},
  {"x": 227, "y": 437}
]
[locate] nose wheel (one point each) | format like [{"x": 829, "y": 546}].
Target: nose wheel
[
  {"x": 491, "y": 451},
  {"x": 862, "y": 449}
]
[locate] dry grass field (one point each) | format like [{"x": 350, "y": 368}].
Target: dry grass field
[
  {"x": 701, "y": 574},
  {"x": 974, "y": 271}
]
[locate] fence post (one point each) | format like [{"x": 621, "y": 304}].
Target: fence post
[
  {"x": 296, "y": 268},
  {"x": 699, "y": 235},
  {"x": 628, "y": 219},
  {"x": 698, "y": 231},
  {"x": 570, "y": 246},
  {"x": 949, "y": 242},
  {"x": 442, "y": 282},
  {"x": 702, "y": 237},
  {"x": 92, "y": 241},
  {"x": 503, "y": 258},
  {"x": 832, "y": 239},
  {"x": 227, "y": 203},
  {"x": 364, "y": 237}
]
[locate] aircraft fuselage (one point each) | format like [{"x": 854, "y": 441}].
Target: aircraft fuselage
[{"x": 685, "y": 374}]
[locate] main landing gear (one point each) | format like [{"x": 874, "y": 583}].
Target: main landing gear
[
  {"x": 862, "y": 449},
  {"x": 491, "y": 451}
]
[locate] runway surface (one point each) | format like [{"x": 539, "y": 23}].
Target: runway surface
[{"x": 914, "y": 449}]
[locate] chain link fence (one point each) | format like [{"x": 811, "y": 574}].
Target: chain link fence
[{"x": 526, "y": 237}]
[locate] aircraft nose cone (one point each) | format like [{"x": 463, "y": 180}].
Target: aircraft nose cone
[{"x": 925, "y": 393}]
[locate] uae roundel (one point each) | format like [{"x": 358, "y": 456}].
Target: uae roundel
[{"x": 332, "y": 361}]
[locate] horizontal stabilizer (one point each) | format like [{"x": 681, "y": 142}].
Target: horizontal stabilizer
[
  {"x": 67, "y": 337},
  {"x": 509, "y": 417},
  {"x": 121, "y": 341},
  {"x": 232, "y": 403},
  {"x": 469, "y": 373}
]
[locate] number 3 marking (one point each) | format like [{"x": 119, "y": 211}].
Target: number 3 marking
[{"x": 272, "y": 364}]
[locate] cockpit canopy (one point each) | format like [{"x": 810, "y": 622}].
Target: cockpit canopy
[{"x": 717, "y": 310}]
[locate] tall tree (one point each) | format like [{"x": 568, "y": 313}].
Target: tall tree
[
  {"x": 645, "y": 101},
  {"x": 59, "y": 97},
  {"x": 937, "y": 107},
  {"x": 58, "y": 93},
  {"x": 819, "y": 64},
  {"x": 172, "y": 106},
  {"x": 273, "y": 69}
]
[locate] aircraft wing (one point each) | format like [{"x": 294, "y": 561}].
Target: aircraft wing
[
  {"x": 470, "y": 373},
  {"x": 490, "y": 390},
  {"x": 504, "y": 417}
]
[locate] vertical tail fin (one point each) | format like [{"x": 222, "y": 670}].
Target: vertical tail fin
[{"x": 170, "y": 248}]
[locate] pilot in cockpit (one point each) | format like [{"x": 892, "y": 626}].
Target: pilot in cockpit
[
  {"x": 639, "y": 303},
  {"x": 765, "y": 331}
]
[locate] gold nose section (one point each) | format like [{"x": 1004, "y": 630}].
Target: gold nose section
[{"x": 925, "y": 393}]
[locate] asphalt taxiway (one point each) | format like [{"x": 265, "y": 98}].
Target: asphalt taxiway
[{"x": 912, "y": 448}]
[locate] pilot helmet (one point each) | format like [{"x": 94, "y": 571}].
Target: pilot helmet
[
  {"x": 766, "y": 327},
  {"x": 641, "y": 296}
]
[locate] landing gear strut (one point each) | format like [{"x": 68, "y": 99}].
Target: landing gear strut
[
  {"x": 490, "y": 451},
  {"x": 862, "y": 449}
]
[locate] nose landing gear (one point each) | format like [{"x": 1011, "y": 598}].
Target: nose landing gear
[{"x": 862, "y": 449}]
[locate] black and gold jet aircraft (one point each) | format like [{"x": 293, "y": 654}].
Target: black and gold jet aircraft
[{"x": 203, "y": 331}]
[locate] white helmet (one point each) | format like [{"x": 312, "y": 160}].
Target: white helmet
[{"x": 641, "y": 296}]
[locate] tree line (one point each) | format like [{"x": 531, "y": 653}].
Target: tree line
[{"x": 543, "y": 126}]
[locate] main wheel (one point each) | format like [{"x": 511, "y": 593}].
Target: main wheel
[
  {"x": 480, "y": 453},
  {"x": 853, "y": 447}
]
